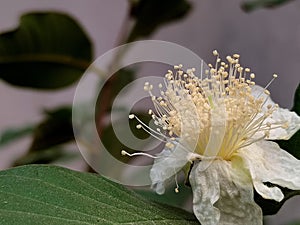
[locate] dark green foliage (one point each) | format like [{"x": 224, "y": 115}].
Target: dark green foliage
[
  {"x": 54, "y": 130},
  {"x": 48, "y": 136},
  {"x": 47, "y": 51},
  {"x": 151, "y": 14}
]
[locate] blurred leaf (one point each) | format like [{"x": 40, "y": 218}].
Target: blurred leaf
[
  {"x": 123, "y": 77},
  {"x": 54, "y": 130},
  {"x": 256, "y": 4},
  {"x": 112, "y": 87},
  {"x": 56, "y": 196},
  {"x": 48, "y": 50},
  {"x": 271, "y": 207},
  {"x": 14, "y": 134},
  {"x": 294, "y": 223},
  {"x": 150, "y": 14},
  {"x": 45, "y": 156},
  {"x": 114, "y": 145}
]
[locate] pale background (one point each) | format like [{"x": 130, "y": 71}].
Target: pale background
[{"x": 268, "y": 40}]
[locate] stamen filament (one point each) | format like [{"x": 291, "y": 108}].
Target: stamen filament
[
  {"x": 123, "y": 152},
  {"x": 226, "y": 84}
]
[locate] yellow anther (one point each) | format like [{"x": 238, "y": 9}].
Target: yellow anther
[
  {"x": 236, "y": 56},
  {"x": 266, "y": 92}
]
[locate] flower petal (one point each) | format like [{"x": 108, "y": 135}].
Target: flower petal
[
  {"x": 223, "y": 195},
  {"x": 266, "y": 162},
  {"x": 280, "y": 116},
  {"x": 284, "y": 116},
  {"x": 168, "y": 163}
]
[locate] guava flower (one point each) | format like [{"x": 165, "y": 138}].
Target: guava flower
[{"x": 217, "y": 128}]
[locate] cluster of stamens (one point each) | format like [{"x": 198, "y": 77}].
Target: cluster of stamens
[{"x": 227, "y": 84}]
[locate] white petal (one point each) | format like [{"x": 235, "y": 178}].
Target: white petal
[
  {"x": 268, "y": 192},
  {"x": 280, "y": 116},
  {"x": 284, "y": 116},
  {"x": 168, "y": 163},
  {"x": 266, "y": 162},
  {"x": 223, "y": 195}
]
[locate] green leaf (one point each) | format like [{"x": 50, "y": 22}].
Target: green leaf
[
  {"x": 48, "y": 50},
  {"x": 151, "y": 14},
  {"x": 34, "y": 195},
  {"x": 13, "y": 134},
  {"x": 54, "y": 130},
  {"x": 252, "y": 5}
]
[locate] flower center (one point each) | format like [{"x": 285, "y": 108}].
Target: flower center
[{"x": 217, "y": 108}]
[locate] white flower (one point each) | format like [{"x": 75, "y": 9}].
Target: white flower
[{"x": 220, "y": 124}]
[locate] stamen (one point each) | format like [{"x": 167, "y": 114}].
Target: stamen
[
  {"x": 123, "y": 152},
  {"x": 149, "y": 130},
  {"x": 176, "y": 182},
  {"x": 271, "y": 81},
  {"x": 229, "y": 83}
]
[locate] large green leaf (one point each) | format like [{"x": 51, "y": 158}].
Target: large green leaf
[
  {"x": 150, "y": 14},
  {"x": 48, "y": 50},
  {"x": 35, "y": 195}
]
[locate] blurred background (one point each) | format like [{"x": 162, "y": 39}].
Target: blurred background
[{"x": 268, "y": 40}]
